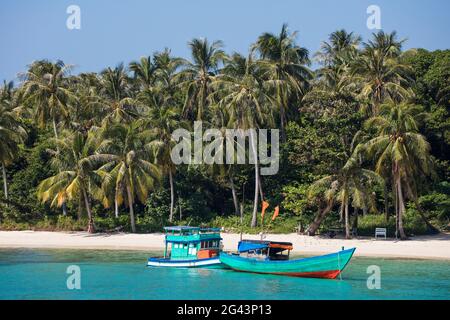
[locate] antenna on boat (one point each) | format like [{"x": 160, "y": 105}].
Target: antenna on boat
[{"x": 242, "y": 208}]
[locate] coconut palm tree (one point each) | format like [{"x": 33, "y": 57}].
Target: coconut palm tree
[
  {"x": 339, "y": 44},
  {"x": 283, "y": 64},
  {"x": 11, "y": 131},
  {"x": 223, "y": 170},
  {"x": 46, "y": 88},
  {"x": 125, "y": 165},
  {"x": 380, "y": 70},
  {"x": 351, "y": 183},
  {"x": 144, "y": 72},
  {"x": 116, "y": 96},
  {"x": 88, "y": 109},
  {"x": 167, "y": 67},
  {"x": 75, "y": 172},
  {"x": 197, "y": 75},
  {"x": 400, "y": 152},
  {"x": 336, "y": 56},
  {"x": 243, "y": 95},
  {"x": 161, "y": 123}
]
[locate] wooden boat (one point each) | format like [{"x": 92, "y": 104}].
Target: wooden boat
[
  {"x": 189, "y": 247},
  {"x": 268, "y": 257}
]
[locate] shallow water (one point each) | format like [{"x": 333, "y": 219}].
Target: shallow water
[{"x": 41, "y": 274}]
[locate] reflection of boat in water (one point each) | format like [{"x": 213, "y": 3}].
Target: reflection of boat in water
[
  {"x": 270, "y": 257},
  {"x": 189, "y": 247}
]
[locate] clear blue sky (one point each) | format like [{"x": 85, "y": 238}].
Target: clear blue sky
[{"x": 115, "y": 31}]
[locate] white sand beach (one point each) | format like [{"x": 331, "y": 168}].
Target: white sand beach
[{"x": 421, "y": 247}]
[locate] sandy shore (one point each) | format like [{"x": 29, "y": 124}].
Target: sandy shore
[{"x": 423, "y": 247}]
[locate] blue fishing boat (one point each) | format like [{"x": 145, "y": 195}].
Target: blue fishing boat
[
  {"x": 189, "y": 247},
  {"x": 273, "y": 258}
]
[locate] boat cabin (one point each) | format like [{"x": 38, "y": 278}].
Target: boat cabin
[
  {"x": 191, "y": 243},
  {"x": 269, "y": 250}
]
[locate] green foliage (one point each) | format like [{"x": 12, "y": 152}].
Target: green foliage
[
  {"x": 368, "y": 223},
  {"x": 30, "y": 168},
  {"x": 129, "y": 117},
  {"x": 282, "y": 224},
  {"x": 435, "y": 205},
  {"x": 413, "y": 224}
]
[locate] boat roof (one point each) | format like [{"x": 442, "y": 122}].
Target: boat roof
[
  {"x": 188, "y": 228},
  {"x": 181, "y": 228},
  {"x": 247, "y": 245}
]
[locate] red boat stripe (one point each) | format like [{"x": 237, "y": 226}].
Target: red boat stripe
[{"x": 329, "y": 274}]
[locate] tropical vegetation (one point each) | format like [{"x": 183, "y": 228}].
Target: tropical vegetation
[{"x": 364, "y": 139}]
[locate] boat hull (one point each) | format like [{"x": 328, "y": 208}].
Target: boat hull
[
  {"x": 327, "y": 266},
  {"x": 198, "y": 263}
]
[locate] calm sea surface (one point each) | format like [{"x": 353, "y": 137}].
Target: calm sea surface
[{"x": 41, "y": 274}]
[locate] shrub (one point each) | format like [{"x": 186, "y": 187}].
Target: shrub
[{"x": 368, "y": 223}]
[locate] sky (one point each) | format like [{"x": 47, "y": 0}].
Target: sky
[{"x": 115, "y": 31}]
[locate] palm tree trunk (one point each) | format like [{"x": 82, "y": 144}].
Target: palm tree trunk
[
  {"x": 54, "y": 130},
  {"x": 282, "y": 113},
  {"x": 347, "y": 224},
  {"x": 116, "y": 208},
  {"x": 341, "y": 213},
  {"x": 261, "y": 193},
  {"x": 401, "y": 211},
  {"x": 91, "y": 228},
  {"x": 386, "y": 202},
  {"x": 235, "y": 199},
  {"x": 172, "y": 196},
  {"x": 255, "y": 203},
  {"x": 64, "y": 209},
  {"x": 5, "y": 182},
  {"x": 318, "y": 219},
  {"x": 80, "y": 208},
  {"x": 130, "y": 204},
  {"x": 395, "y": 193}
]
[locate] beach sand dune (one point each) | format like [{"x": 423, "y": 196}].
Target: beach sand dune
[{"x": 422, "y": 247}]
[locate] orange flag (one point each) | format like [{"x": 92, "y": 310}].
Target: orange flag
[
  {"x": 265, "y": 205},
  {"x": 275, "y": 214}
]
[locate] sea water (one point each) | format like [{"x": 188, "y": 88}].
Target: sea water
[{"x": 105, "y": 274}]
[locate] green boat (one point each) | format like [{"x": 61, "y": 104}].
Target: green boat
[
  {"x": 273, "y": 258},
  {"x": 189, "y": 247}
]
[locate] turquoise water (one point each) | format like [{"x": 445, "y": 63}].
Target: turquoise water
[{"x": 41, "y": 274}]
